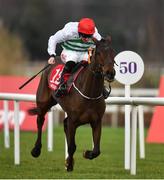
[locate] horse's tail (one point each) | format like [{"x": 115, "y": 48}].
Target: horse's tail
[{"x": 33, "y": 111}]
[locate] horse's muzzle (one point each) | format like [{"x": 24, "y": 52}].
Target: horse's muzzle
[{"x": 109, "y": 76}]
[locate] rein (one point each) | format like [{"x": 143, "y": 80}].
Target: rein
[
  {"x": 95, "y": 72},
  {"x": 84, "y": 96}
]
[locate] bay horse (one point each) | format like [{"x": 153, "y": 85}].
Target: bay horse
[{"x": 84, "y": 104}]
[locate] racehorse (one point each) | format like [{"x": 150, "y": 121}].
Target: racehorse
[{"x": 84, "y": 103}]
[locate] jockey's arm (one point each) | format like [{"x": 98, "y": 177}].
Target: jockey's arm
[
  {"x": 52, "y": 42},
  {"x": 60, "y": 36}
]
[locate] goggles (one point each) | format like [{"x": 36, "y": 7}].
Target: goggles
[{"x": 85, "y": 35}]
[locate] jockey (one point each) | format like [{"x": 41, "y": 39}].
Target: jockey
[{"x": 75, "y": 39}]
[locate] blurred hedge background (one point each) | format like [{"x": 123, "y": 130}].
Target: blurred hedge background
[{"x": 25, "y": 26}]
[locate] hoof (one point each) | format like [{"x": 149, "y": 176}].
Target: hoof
[
  {"x": 69, "y": 169},
  {"x": 88, "y": 154},
  {"x": 69, "y": 166},
  {"x": 36, "y": 152}
]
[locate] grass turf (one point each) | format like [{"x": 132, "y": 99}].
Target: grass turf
[{"x": 109, "y": 165}]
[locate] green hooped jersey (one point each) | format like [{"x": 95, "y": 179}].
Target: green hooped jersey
[
  {"x": 69, "y": 39},
  {"x": 77, "y": 45}
]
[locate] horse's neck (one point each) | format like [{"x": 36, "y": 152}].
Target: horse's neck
[{"x": 89, "y": 84}]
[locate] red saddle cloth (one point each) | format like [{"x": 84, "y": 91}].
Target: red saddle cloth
[{"x": 54, "y": 78}]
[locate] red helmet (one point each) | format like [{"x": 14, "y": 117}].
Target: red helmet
[{"x": 86, "y": 26}]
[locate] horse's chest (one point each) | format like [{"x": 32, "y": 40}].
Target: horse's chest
[
  {"x": 85, "y": 111},
  {"x": 92, "y": 113}
]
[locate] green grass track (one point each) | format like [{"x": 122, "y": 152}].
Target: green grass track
[{"x": 50, "y": 165}]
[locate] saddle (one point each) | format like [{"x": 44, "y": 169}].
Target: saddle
[{"x": 55, "y": 74}]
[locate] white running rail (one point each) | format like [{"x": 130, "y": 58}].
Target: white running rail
[{"x": 134, "y": 101}]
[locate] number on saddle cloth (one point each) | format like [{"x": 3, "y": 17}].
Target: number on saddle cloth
[{"x": 54, "y": 78}]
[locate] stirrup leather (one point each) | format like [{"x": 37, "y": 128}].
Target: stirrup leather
[{"x": 62, "y": 90}]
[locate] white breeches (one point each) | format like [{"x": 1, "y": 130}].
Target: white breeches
[{"x": 68, "y": 55}]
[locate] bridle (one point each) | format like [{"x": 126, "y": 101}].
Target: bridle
[
  {"x": 98, "y": 72},
  {"x": 95, "y": 73},
  {"x": 98, "y": 69}
]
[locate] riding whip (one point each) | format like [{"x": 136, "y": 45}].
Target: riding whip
[{"x": 34, "y": 76}]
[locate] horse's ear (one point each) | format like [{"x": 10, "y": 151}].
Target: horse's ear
[{"x": 109, "y": 38}]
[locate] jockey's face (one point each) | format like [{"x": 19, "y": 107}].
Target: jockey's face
[{"x": 85, "y": 37}]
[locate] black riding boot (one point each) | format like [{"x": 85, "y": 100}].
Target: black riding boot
[{"x": 62, "y": 90}]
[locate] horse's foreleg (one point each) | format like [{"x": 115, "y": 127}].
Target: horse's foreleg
[
  {"x": 96, "y": 132},
  {"x": 65, "y": 126},
  {"x": 38, "y": 145},
  {"x": 70, "y": 135}
]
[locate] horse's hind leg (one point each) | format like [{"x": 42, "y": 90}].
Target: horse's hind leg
[
  {"x": 70, "y": 129},
  {"x": 38, "y": 145},
  {"x": 40, "y": 121},
  {"x": 96, "y": 132},
  {"x": 44, "y": 103}
]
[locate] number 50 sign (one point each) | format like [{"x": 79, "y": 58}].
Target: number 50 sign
[{"x": 129, "y": 68}]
